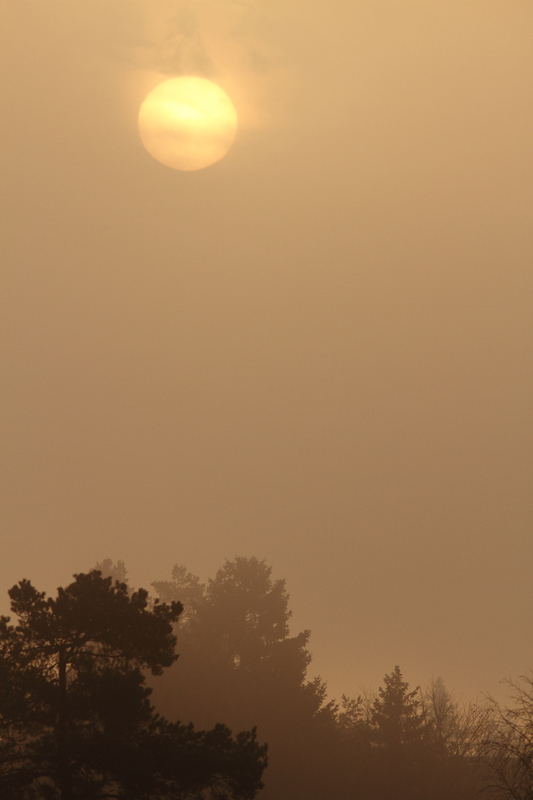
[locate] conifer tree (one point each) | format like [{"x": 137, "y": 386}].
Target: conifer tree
[
  {"x": 75, "y": 716},
  {"x": 399, "y": 734},
  {"x": 397, "y": 717}
]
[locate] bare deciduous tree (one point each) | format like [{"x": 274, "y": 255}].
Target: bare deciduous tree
[
  {"x": 460, "y": 728},
  {"x": 508, "y": 750}
]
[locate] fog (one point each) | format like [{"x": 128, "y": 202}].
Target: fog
[{"x": 316, "y": 352}]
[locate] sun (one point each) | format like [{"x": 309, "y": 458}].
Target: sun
[{"x": 187, "y": 123}]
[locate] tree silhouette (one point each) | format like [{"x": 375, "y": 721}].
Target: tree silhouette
[
  {"x": 457, "y": 732},
  {"x": 397, "y": 718},
  {"x": 236, "y": 648},
  {"x": 508, "y": 745},
  {"x": 75, "y": 716},
  {"x": 400, "y": 735},
  {"x": 117, "y": 572},
  {"x": 239, "y": 663}
]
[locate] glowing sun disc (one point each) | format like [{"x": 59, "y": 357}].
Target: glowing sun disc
[{"x": 187, "y": 123}]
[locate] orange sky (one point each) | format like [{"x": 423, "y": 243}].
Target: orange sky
[{"x": 317, "y": 351}]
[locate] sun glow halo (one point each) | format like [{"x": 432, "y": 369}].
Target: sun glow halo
[{"x": 187, "y": 123}]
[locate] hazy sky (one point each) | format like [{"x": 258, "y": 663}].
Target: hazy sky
[{"x": 317, "y": 351}]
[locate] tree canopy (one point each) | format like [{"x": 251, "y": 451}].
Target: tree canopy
[
  {"x": 77, "y": 719},
  {"x": 75, "y": 716},
  {"x": 241, "y": 664}
]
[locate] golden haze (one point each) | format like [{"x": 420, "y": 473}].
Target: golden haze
[{"x": 318, "y": 353}]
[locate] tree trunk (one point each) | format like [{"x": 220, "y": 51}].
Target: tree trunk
[{"x": 65, "y": 789}]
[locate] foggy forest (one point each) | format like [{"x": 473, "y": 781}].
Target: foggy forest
[
  {"x": 266, "y": 392},
  {"x": 96, "y": 703}
]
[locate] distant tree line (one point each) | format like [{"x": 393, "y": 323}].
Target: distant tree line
[
  {"x": 239, "y": 663},
  {"x": 96, "y": 705}
]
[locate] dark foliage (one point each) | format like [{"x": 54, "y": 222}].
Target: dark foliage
[{"x": 75, "y": 716}]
